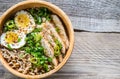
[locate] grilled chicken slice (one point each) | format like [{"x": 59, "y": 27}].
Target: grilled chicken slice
[
  {"x": 53, "y": 44},
  {"x": 61, "y": 31},
  {"x": 55, "y": 35},
  {"x": 48, "y": 37},
  {"x": 60, "y": 58},
  {"x": 50, "y": 40},
  {"x": 49, "y": 51}
]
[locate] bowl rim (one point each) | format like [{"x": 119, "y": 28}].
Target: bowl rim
[{"x": 68, "y": 53}]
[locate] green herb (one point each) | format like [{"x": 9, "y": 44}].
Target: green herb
[
  {"x": 27, "y": 49},
  {"x": 45, "y": 66},
  {"x": 33, "y": 60},
  {"x": 57, "y": 29},
  {"x": 9, "y": 47},
  {"x": 37, "y": 37},
  {"x": 48, "y": 17},
  {"x": 58, "y": 43},
  {"x": 39, "y": 13},
  {"x": 10, "y": 25},
  {"x": 58, "y": 47},
  {"x": 57, "y": 51},
  {"x": 37, "y": 30},
  {"x": 50, "y": 59},
  {"x": 19, "y": 39},
  {"x": 39, "y": 20}
]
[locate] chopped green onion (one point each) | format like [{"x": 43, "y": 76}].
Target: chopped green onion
[
  {"x": 37, "y": 30},
  {"x": 45, "y": 66},
  {"x": 19, "y": 39},
  {"x": 57, "y": 29},
  {"x": 39, "y": 13},
  {"x": 10, "y": 25},
  {"x": 9, "y": 47},
  {"x": 58, "y": 47}
]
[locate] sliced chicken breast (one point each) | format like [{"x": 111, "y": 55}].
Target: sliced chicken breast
[
  {"x": 61, "y": 32},
  {"x": 50, "y": 40},
  {"x": 55, "y": 35},
  {"x": 49, "y": 51}
]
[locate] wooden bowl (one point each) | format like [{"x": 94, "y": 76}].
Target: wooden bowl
[{"x": 54, "y": 9}]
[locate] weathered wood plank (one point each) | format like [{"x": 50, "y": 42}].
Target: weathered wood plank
[
  {"x": 102, "y": 9},
  {"x": 95, "y": 25},
  {"x": 10, "y": 1},
  {"x": 93, "y": 15}
]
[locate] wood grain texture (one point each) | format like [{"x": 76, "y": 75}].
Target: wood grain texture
[
  {"x": 95, "y": 25},
  {"x": 90, "y": 15},
  {"x": 95, "y": 55},
  {"x": 102, "y": 9}
]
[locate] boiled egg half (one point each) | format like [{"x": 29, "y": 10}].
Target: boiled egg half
[
  {"x": 24, "y": 21},
  {"x": 13, "y": 39}
]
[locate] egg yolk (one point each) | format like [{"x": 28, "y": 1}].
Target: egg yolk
[
  {"x": 22, "y": 20},
  {"x": 11, "y": 37}
]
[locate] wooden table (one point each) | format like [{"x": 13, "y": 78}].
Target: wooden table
[{"x": 95, "y": 55}]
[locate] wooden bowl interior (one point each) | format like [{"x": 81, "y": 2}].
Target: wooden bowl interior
[{"x": 54, "y": 9}]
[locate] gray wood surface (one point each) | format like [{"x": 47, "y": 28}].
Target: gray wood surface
[{"x": 95, "y": 55}]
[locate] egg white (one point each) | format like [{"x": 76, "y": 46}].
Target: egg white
[
  {"x": 16, "y": 45},
  {"x": 31, "y": 25}
]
